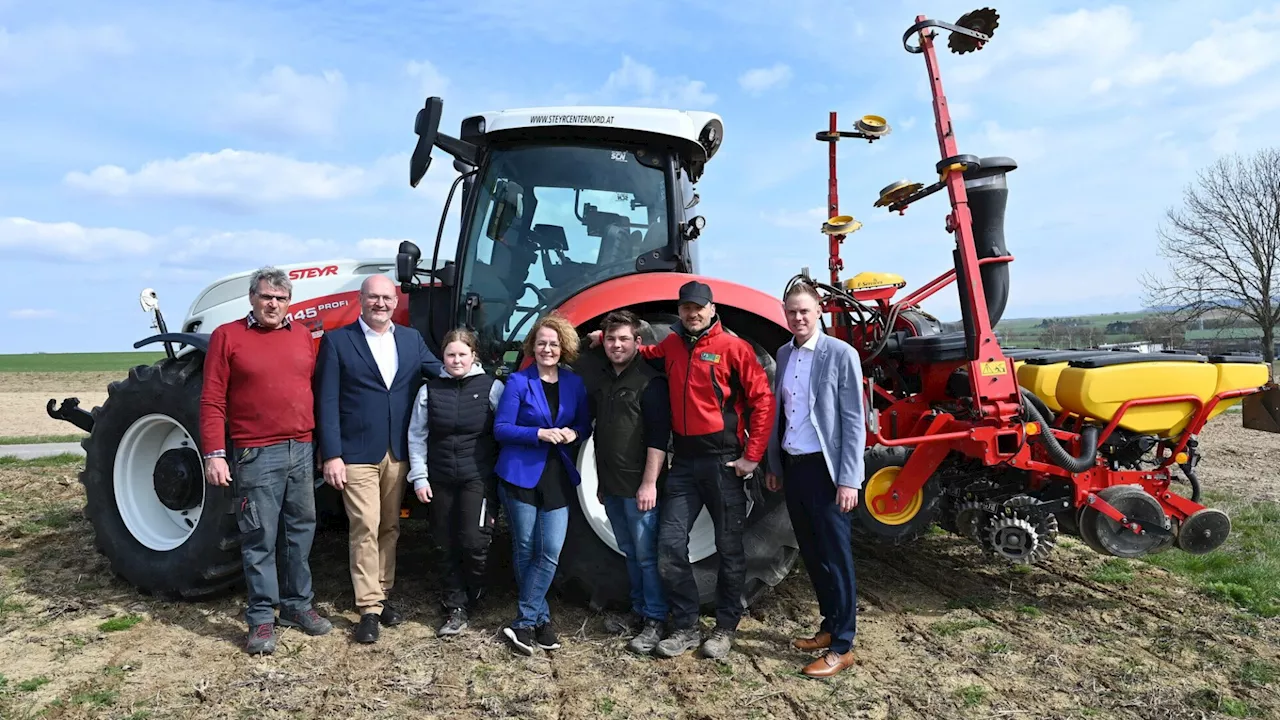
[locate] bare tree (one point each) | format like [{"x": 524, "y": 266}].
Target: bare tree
[{"x": 1223, "y": 246}]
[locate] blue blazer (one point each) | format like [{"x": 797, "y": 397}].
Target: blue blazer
[
  {"x": 357, "y": 417},
  {"x": 523, "y": 410}
]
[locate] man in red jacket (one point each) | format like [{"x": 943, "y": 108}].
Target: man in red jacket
[
  {"x": 257, "y": 390},
  {"x": 714, "y": 378}
]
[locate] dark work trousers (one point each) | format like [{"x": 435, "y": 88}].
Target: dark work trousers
[
  {"x": 823, "y": 534},
  {"x": 462, "y": 518},
  {"x": 692, "y": 483}
]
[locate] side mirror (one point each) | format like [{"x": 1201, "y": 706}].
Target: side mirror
[
  {"x": 506, "y": 205},
  {"x": 447, "y": 275},
  {"x": 426, "y": 126},
  {"x": 407, "y": 257}
]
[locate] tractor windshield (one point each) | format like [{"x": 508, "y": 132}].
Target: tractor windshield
[{"x": 549, "y": 221}]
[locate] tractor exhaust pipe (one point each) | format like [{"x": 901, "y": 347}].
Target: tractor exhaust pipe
[{"x": 988, "y": 194}]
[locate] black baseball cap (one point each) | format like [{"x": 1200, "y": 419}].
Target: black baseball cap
[{"x": 695, "y": 292}]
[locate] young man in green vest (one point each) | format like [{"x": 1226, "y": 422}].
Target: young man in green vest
[{"x": 632, "y": 411}]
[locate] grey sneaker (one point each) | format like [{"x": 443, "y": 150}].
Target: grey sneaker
[
  {"x": 647, "y": 640},
  {"x": 717, "y": 646},
  {"x": 456, "y": 623},
  {"x": 678, "y": 642},
  {"x": 262, "y": 640},
  {"x": 309, "y": 621}
]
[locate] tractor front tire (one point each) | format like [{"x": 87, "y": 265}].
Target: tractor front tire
[
  {"x": 162, "y": 528},
  {"x": 593, "y": 570}
]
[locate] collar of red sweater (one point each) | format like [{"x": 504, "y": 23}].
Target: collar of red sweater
[{"x": 252, "y": 321}]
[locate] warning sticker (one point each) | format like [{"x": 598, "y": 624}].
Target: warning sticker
[{"x": 997, "y": 367}]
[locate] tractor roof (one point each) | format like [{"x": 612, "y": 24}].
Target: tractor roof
[{"x": 698, "y": 133}]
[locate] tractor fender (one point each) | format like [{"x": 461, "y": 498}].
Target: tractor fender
[
  {"x": 663, "y": 288},
  {"x": 199, "y": 341}
]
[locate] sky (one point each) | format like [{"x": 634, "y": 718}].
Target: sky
[{"x": 165, "y": 145}]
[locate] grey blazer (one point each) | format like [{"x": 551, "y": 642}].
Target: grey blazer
[{"x": 835, "y": 408}]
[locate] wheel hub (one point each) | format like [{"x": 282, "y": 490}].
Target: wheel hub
[{"x": 177, "y": 479}]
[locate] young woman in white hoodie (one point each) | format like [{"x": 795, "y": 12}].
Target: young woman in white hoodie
[{"x": 452, "y": 453}]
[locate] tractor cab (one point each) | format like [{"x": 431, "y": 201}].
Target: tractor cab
[{"x": 552, "y": 204}]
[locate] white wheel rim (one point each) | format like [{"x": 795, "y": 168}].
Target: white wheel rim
[
  {"x": 148, "y": 520},
  {"x": 702, "y": 538}
]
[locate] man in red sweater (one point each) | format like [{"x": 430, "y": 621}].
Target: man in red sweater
[{"x": 257, "y": 391}]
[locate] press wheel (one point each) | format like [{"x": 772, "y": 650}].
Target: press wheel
[{"x": 1108, "y": 537}]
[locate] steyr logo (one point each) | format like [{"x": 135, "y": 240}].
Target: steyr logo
[{"x": 312, "y": 272}]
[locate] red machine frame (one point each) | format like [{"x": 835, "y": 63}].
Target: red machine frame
[{"x": 997, "y": 431}]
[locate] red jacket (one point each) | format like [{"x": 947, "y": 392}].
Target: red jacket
[{"x": 715, "y": 381}]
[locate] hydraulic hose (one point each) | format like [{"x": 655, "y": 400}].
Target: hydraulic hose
[
  {"x": 1034, "y": 399},
  {"x": 1063, "y": 459},
  {"x": 1188, "y": 469}
]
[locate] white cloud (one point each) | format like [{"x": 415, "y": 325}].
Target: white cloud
[
  {"x": 758, "y": 80},
  {"x": 1230, "y": 53},
  {"x": 1024, "y": 145},
  {"x": 236, "y": 179},
  {"x": 1099, "y": 34},
  {"x": 286, "y": 104},
  {"x": 32, "y": 314},
  {"x": 249, "y": 247},
  {"x": 41, "y": 55},
  {"x": 379, "y": 247},
  {"x": 642, "y": 85},
  {"x": 431, "y": 81},
  {"x": 71, "y": 241}
]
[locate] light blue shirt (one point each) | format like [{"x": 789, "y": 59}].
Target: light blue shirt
[{"x": 801, "y": 436}]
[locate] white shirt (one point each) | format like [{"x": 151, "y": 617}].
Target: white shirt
[
  {"x": 801, "y": 436},
  {"x": 383, "y": 348}
]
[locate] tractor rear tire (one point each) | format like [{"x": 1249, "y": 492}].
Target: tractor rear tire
[
  {"x": 592, "y": 569},
  {"x": 867, "y": 526},
  {"x": 158, "y": 406}
]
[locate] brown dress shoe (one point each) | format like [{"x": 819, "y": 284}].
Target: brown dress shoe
[
  {"x": 817, "y": 642},
  {"x": 829, "y": 664}
]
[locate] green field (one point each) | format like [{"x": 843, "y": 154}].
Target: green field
[{"x": 76, "y": 362}]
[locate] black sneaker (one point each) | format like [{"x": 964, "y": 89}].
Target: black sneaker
[
  {"x": 546, "y": 637},
  {"x": 262, "y": 640},
  {"x": 456, "y": 623},
  {"x": 390, "y": 616},
  {"x": 647, "y": 640},
  {"x": 521, "y": 639},
  {"x": 309, "y": 621}
]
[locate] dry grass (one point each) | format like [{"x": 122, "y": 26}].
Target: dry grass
[{"x": 943, "y": 633}]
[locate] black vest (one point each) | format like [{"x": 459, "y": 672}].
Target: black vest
[
  {"x": 460, "y": 442},
  {"x": 619, "y": 430}
]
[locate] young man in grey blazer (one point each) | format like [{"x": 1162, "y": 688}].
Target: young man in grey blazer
[{"x": 815, "y": 456}]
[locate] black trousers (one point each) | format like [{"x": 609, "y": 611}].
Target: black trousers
[
  {"x": 462, "y": 519},
  {"x": 695, "y": 482},
  {"x": 824, "y": 537}
]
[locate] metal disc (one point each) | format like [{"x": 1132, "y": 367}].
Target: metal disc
[
  {"x": 1204, "y": 531},
  {"x": 1138, "y": 506},
  {"x": 1014, "y": 539},
  {"x": 969, "y": 517}
]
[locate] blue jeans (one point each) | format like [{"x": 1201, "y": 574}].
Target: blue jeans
[
  {"x": 637, "y": 536},
  {"x": 275, "y": 505},
  {"x": 536, "y": 539}
]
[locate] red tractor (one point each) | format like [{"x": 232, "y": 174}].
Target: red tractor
[{"x": 1010, "y": 447}]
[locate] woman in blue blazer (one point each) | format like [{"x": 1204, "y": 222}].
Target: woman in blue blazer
[{"x": 541, "y": 420}]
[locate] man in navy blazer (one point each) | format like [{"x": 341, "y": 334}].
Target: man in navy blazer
[
  {"x": 815, "y": 454},
  {"x": 367, "y": 376}
]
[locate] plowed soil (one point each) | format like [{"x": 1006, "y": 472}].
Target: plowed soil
[
  {"x": 23, "y": 396},
  {"x": 944, "y": 632}
]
